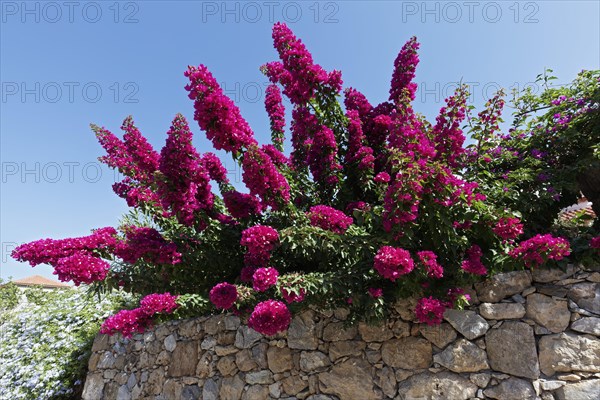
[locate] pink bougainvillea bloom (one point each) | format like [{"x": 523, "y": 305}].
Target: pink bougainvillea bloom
[
  {"x": 404, "y": 72},
  {"x": 329, "y": 218},
  {"x": 595, "y": 243},
  {"x": 259, "y": 240},
  {"x": 264, "y": 278},
  {"x": 508, "y": 228},
  {"x": 157, "y": 303},
  {"x": 127, "y": 322},
  {"x": 270, "y": 317},
  {"x": 215, "y": 168},
  {"x": 49, "y": 251},
  {"x": 81, "y": 268},
  {"x": 223, "y": 295},
  {"x": 241, "y": 205},
  {"x": 375, "y": 292},
  {"x": 290, "y": 297},
  {"x": 472, "y": 263},
  {"x": 429, "y": 261},
  {"x": 536, "y": 251},
  {"x": 382, "y": 177},
  {"x": 216, "y": 113},
  {"x": 430, "y": 310},
  {"x": 276, "y": 112},
  {"x": 391, "y": 262},
  {"x": 185, "y": 188},
  {"x": 147, "y": 243},
  {"x": 263, "y": 179}
]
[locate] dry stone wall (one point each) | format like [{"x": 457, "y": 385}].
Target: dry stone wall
[{"x": 527, "y": 335}]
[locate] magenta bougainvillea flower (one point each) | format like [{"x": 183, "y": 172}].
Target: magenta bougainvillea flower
[
  {"x": 259, "y": 240},
  {"x": 391, "y": 262},
  {"x": 472, "y": 262},
  {"x": 147, "y": 243},
  {"x": 81, "y": 268},
  {"x": 128, "y": 322},
  {"x": 508, "y": 228},
  {"x": 404, "y": 72},
  {"x": 216, "y": 113},
  {"x": 329, "y": 218},
  {"x": 241, "y": 205},
  {"x": 223, "y": 295},
  {"x": 264, "y": 278},
  {"x": 539, "y": 249},
  {"x": 430, "y": 310},
  {"x": 290, "y": 297},
  {"x": 429, "y": 261},
  {"x": 270, "y": 317}
]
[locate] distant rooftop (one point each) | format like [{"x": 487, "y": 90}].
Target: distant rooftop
[
  {"x": 583, "y": 206},
  {"x": 38, "y": 280}
]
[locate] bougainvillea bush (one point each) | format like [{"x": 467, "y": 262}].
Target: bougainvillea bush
[{"x": 369, "y": 203}]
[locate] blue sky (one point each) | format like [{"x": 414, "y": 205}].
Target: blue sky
[{"x": 64, "y": 65}]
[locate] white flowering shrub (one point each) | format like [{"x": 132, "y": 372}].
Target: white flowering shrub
[{"x": 46, "y": 339}]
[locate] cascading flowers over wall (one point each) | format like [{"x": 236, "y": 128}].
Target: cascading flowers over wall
[{"x": 372, "y": 203}]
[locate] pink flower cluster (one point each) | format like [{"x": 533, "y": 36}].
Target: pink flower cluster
[
  {"x": 241, "y": 205},
  {"x": 536, "y": 251},
  {"x": 448, "y": 136},
  {"x": 290, "y": 297},
  {"x": 322, "y": 157},
  {"x": 508, "y": 228},
  {"x": 303, "y": 126},
  {"x": 143, "y": 156},
  {"x": 297, "y": 73},
  {"x": 392, "y": 262},
  {"x": 264, "y": 278},
  {"x": 355, "y": 100},
  {"x": 158, "y": 303},
  {"x": 135, "y": 158},
  {"x": 276, "y": 111},
  {"x": 595, "y": 243},
  {"x": 134, "y": 193},
  {"x": 73, "y": 258},
  {"x": 401, "y": 200},
  {"x": 270, "y": 317},
  {"x": 260, "y": 240},
  {"x": 403, "y": 89},
  {"x": 430, "y": 310},
  {"x": 223, "y": 295},
  {"x": 472, "y": 263},
  {"x": 81, "y": 268},
  {"x": 215, "y": 168},
  {"x": 358, "y": 151},
  {"x": 263, "y": 179},
  {"x": 128, "y": 322},
  {"x": 382, "y": 177},
  {"x": 216, "y": 113},
  {"x": 185, "y": 188},
  {"x": 147, "y": 244},
  {"x": 429, "y": 261},
  {"x": 49, "y": 251},
  {"x": 329, "y": 218},
  {"x": 118, "y": 152}
]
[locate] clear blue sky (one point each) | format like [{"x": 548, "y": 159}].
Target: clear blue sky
[{"x": 64, "y": 65}]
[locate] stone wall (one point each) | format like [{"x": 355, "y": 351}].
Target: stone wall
[{"x": 528, "y": 335}]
